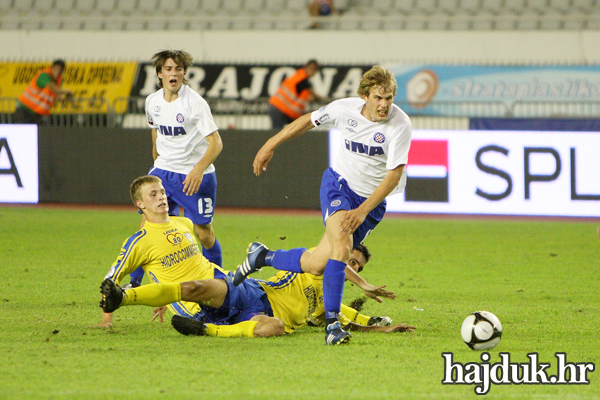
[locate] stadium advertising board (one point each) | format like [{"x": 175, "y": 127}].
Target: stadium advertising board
[
  {"x": 18, "y": 164},
  {"x": 423, "y": 89},
  {"x": 95, "y": 85},
  {"x": 231, "y": 87},
  {"x": 500, "y": 172}
]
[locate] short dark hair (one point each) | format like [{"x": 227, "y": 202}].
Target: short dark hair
[
  {"x": 365, "y": 252},
  {"x": 60, "y": 62}
]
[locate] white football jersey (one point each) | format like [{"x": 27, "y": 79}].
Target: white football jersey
[
  {"x": 181, "y": 128},
  {"x": 368, "y": 149}
]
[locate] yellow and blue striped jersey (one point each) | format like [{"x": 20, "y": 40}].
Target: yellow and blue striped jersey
[
  {"x": 293, "y": 297},
  {"x": 168, "y": 253}
]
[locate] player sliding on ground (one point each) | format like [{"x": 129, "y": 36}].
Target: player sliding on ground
[
  {"x": 373, "y": 150},
  {"x": 257, "y": 308},
  {"x": 169, "y": 253}
]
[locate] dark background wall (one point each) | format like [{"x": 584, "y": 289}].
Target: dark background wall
[{"x": 96, "y": 165}]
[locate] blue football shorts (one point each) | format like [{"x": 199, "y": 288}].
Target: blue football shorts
[
  {"x": 241, "y": 303},
  {"x": 336, "y": 195},
  {"x": 200, "y": 207}
]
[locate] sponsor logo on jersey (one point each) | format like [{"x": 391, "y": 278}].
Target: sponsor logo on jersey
[
  {"x": 180, "y": 255},
  {"x": 171, "y": 130},
  {"x": 189, "y": 237},
  {"x": 379, "y": 137},
  {"x": 352, "y": 123},
  {"x": 336, "y": 203},
  {"x": 362, "y": 148},
  {"x": 322, "y": 119},
  {"x": 180, "y": 118},
  {"x": 156, "y": 109}
]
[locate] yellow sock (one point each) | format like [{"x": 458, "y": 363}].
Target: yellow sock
[
  {"x": 354, "y": 316},
  {"x": 154, "y": 294},
  {"x": 241, "y": 329}
]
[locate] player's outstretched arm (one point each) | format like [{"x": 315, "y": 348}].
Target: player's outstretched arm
[
  {"x": 382, "y": 329},
  {"x": 373, "y": 292},
  {"x": 265, "y": 154}
]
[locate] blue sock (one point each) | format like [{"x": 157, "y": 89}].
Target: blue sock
[
  {"x": 214, "y": 254},
  {"x": 333, "y": 286},
  {"x": 135, "y": 278},
  {"x": 286, "y": 260}
]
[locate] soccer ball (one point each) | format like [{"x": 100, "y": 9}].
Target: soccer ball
[{"x": 481, "y": 330}]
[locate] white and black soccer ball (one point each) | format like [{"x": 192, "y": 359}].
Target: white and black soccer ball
[{"x": 481, "y": 330}]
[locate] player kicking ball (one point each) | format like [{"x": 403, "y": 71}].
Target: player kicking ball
[{"x": 374, "y": 146}]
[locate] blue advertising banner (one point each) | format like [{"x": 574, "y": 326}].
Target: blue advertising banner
[
  {"x": 535, "y": 124},
  {"x": 429, "y": 89}
]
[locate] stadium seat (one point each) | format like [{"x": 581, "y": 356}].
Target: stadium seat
[
  {"x": 584, "y": 6},
  {"x": 106, "y": 6},
  {"x": 254, "y": 6},
  {"x": 449, "y": 7},
  {"x": 211, "y": 7},
  {"x": 427, "y": 7},
  {"x": 538, "y": 6},
  {"x": 85, "y": 6},
  {"x": 297, "y": 6},
  {"x": 492, "y": 6},
  {"x": 188, "y": 7},
  {"x": 232, "y": 7},
  {"x": 126, "y": 6},
  {"x": 148, "y": 6},
  {"x": 404, "y": 6},
  {"x": 275, "y": 6},
  {"x": 64, "y": 6},
  {"x": 470, "y": 7},
  {"x": 43, "y": 6}
]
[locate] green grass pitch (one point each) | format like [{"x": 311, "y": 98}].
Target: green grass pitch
[{"x": 541, "y": 278}]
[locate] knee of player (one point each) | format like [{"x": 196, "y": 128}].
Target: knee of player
[
  {"x": 341, "y": 251},
  {"x": 204, "y": 232},
  {"x": 192, "y": 291},
  {"x": 269, "y": 327}
]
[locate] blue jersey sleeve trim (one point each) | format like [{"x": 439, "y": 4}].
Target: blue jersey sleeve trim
[
  {"x": 127, "y": 248},
  {"x": 283, "y": 282}
]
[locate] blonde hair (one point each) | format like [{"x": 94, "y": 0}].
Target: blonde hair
[
  {"x": 179, "y": 57},
  {"x": 377, "y": 77},
  {"x": 135, "y": 188}
]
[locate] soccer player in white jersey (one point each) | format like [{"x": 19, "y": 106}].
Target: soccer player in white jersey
[
  {"x": 186, "y": 142},
  {"x": 376, "y": 137}
]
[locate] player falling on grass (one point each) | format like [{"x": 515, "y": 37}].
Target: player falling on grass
[
  {"x": 376, "y": 137},
  {"x": 257, "y": 308},
  {"x": 168, "y": 252},
  {"x": 186, "y": 142}
]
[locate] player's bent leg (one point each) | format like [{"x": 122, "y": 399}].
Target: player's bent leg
[
  {"x": 314, "y": 262},
  {"x": 267, "y": 326},
  {"x": 206, "y": 235},
  {"x": 211, "y": 248},
  {"x": 208, "y": 292}
]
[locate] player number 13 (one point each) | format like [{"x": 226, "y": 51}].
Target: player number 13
[{"x": 205, "y": 205}]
